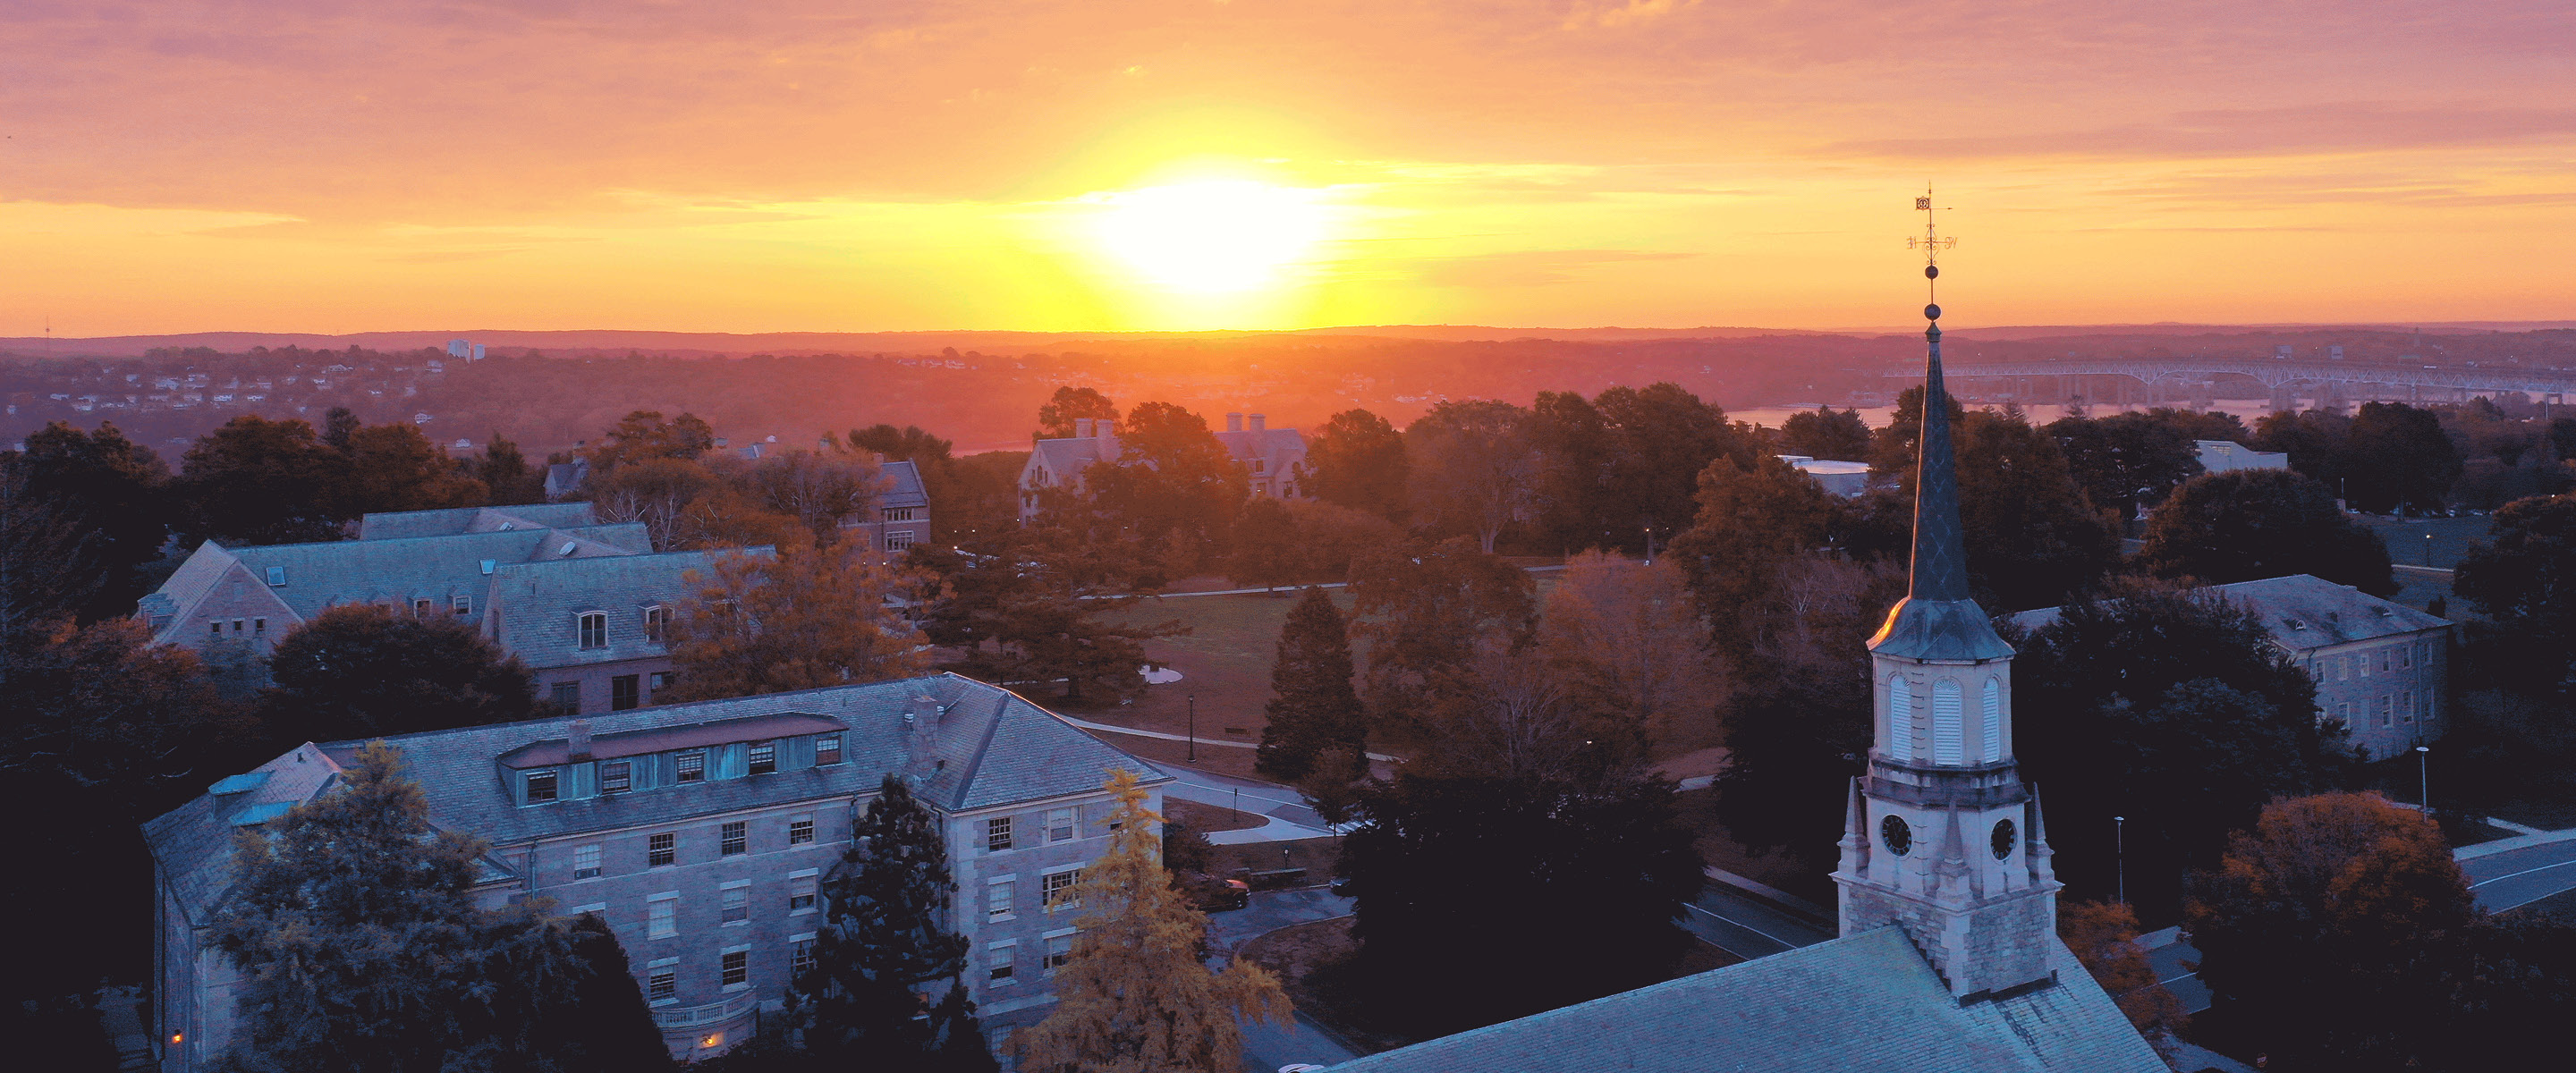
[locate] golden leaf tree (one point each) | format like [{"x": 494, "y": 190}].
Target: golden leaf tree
[
  {"x": 1133, "y": 996},
  {"x": 804, "y": 619}
]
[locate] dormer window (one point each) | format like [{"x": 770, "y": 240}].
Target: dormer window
[
  {"x": 827, "y": 749},
  {"x": 616, "y": 776},
  {"x": 277, "y": 576},
  {"x": 657, "y": 623},
  {"x": 594, "y": 629},
  {"x": 764, "y": 758},
  {"x": 488, "y": 564},
  {"x": 541, "y": 786},
  {"x": 464, "y": 605},
  {"x": 1261, "y": 465},
  {"x": 693, "y": 766}
]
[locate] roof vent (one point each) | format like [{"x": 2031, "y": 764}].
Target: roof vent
[
  {"x": 488, "y": 564},
  {"x": 506, "y": 526},
  {"x": 277, "y": 575},
  {"x": 577, "y": 743},
  {"x": 2384, "y": 612},
  {"x": 566, "y": 549},
  {"x": 2294, "y": 624}
]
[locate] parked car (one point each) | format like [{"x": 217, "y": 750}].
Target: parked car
[{"x": 1211, "y": 894}]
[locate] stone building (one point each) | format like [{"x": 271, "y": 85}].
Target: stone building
[
  {"x": 2381, "y": 667},
  {"x": 1273, "y": 459},
  {"x": 901, "y": 517},
  {"x": 700, "y": 833},
  {"x": 596, "y": 632}
]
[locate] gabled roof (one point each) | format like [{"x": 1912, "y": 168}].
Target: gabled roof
[
  {"x": 538, "y": 602},
  {"x": 903, "y": 486},
  {"x": 423, "y": 523},
  {"x": 193, "y": 844},
  {"x": 1067, "y": 458},
  {"x": 2302, "y": 612},
  {"x": 666, "y": 738},
  {"x": 1262, "y": 443},
  {"x": 365, "y": 571},
  {"x": 1866, "y": 1003}
]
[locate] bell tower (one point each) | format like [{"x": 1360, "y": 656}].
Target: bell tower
[{"x": 1940, "y": 836}]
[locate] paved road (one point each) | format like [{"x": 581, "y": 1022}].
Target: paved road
[
  {"x": 1267, "y": 1047},
  {"x": 2520, "y": 871},
  {"x": 1290, "y": 816},
  {"x": 1745, "y": 926}
]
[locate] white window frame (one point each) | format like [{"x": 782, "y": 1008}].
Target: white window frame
[
  {"x": 1005, "y": 956},
  {"x": 733, "y": 897},
  {"x": 662, "y": 968},
  {"x": 662, "y": 915},
  {"x": 554, "y": 786},
  {"x": 1056, "y": 889},
  {"x": 807, "y": 882},
  {"x": 681, "y": 770},
  {"x": 733, "y": 838},
  {"x": 819, "y": 741},
  {"x": 589, "y": 850},
  {"x": 753, "y": 762},
  {"x": 1001, "y": 899},
  {"x": 1051, "y": 959},
  {"x": 1000, "y": 825},
  {"x": 582, "y": 631},
  {"x": 806, "y": 940},
  {"x": 1070, "y": 826},
  {"x": 809, "y": 831},
  {"x": 743, "y": 952}
]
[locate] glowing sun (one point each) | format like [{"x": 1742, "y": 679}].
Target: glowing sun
[{"x": 1210, "y": 236}]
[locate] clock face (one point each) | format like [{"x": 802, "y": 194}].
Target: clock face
[
  {"x": 2003, "y": 839},
  {"x": 1896, "y": 834}
]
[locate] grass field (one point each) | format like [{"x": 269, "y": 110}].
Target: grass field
[{"x": 1225, "y": 663}]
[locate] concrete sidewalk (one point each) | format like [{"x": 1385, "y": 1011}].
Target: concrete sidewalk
[{"x": 1289, "y": 816}]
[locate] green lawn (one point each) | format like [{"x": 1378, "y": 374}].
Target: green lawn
[{"x": 1225, "y": 663}]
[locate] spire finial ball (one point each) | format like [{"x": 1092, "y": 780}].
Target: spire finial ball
[
  {"x": 1931, "y": 271},
  {"x": 1932, "y": 312}
]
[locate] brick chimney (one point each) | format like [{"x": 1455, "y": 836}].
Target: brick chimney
[
  {"x": 577, "y": 747},
  {"x": 1259, "y": 422},
  {"x": 1234, "y": 422},
  {"x": 1082, "y": 428},
  {"x": 925, "y": 710}
]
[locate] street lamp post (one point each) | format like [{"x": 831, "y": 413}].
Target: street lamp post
[
  {"x": 1194, "y": 728},
  {"x": 2120, "y": 854},
  {"x": 2423, "y": 778},
  {"x": 2428, "y": 549}
]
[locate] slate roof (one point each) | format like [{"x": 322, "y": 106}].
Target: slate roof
[
  {"x": 903, "y": 486},
  {"x": 320, "y": 575},
  {"x": 422, "y": 523},
  {"x": 1866, "y": 1003},
  {"x": 1067, "y": 458},
  {"x": 538, "y": 602},
  {"x": 2303, "y": 612},
  {"x": 990, "y": 748},
  {"x": 1249, "y": 444}
]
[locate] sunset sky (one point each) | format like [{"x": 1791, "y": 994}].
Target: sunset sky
[{"x": 859, "y": 165}]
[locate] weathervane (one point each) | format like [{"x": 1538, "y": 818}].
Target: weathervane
[{"x": 1931, "y": 244}]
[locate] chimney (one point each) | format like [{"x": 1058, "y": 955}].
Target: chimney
[
  {"x": 1082, "y": 428},
  {"x": 578, "y": 747},
  {"x": 1259, "y": 422},
  {"x": 926, "y": 709},
  {"x": 877, "y": 456},
  {"x": 1234, "y": 422}
]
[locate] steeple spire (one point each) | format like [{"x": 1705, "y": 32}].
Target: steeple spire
[{"x": 1937, "y": 619}]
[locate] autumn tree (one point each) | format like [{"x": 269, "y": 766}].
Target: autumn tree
[
  {"x": 1267, "y": 547},
  {"x": 656, "y": 492},
  {"x": 1423, "y": 609},
  {"x": 255, "y": 481},
  {"x": 49, "y": 560},
  {"x": 2126, "y": 460},
  {"x": 1586, "y": 878},
  {"x": 1753, "y": 520},
  {"x": 1661, "y": 438},
  {"x": 883, "y": 945},
  {"x": 823, "y": 491},
  {"x": 1357, "y": 460},
  {"x": 1313, "y": 710},
  {"x": 1133, "y": 995},
  {"x": 1047, "y": 606},
  {"x": 1472, "y": 468},
  {"x": 1069, "y": 404},
  {"x": 1826, "y": 433},
  {"x": 2244, "y": 525},
  {"x": 1332, "y": 537},
  {"x": 2104, "y": 939},
  {"x": 2314, "y": 440},
  {"x": 361, "y": 948},
  {"x": 1173, "y": 483},
  {"x": 801, "y": 619},
  {"x": 359, "y": 670},
  {"x": 393, "y": 467},
  {"x": 1568, "y": 497},
  {"x": 1625, "y": 638}
]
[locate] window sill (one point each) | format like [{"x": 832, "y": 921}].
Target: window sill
[
  {"x": 663, "y": 1002},
  {"x": 1003, "y": 982},
  {"x": 664, "y": 935},
  {"x": 802, "y": 912},
  {"x": 1002, "y": 919},
  {"x": 736, "y": 923}
]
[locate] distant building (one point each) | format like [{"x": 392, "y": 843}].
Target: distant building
[
  {"x": 2380, "y": 667},
  {"x": 902, "y": 515},
  {"x": 564, "y": 479},
  {"x": 700, "y": 833},
  {"x": 2224, "y": 456},
  {"x": 466, "y": 349},
  {"x": 596, "y": 631},
  {"x": 1273, "y": 460},
  {"x": 1845, "y": 479}
]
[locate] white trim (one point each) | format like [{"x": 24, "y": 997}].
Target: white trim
[
  {"x": 1058, "y": 933},
  {"x": 804, "y": 937},
  {"x": 1012, "y": 878},
  {"x": 660, "y": 963},
  {"x": 805, "y": 873},
  {"x": 731, "y": 884},
  {"x": 1001, "y": 944},
  {"x": 668, "y": 895},
  {"x": 743, "y": 949},
  {"x": 594, "y": 907}
]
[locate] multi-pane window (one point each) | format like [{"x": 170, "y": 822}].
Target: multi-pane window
[
  {"x": 616, "y": 776},
  {"x": 662, "y": 986},
  {"x": 736, "y": 838},
  {"x": 594, "y": 629},
  {"x": 1060, "y": 825},
  {"x": 662, "y": 918},
  {"x": 1001, "y": 962},
  {"x": 585, "y": 861},
  {"x": 898, "y": 541},
  {"x": 800, "y": 956},
  {"x": 997, "y": 834},
  {"x": 800, "y": 832},
  {"x": 997, "y": 899},
  {"x": 624, "y": 692},
  {"x": 1058, "y": 951},
  {"x": 693, "y": 766},
  {"x": 827, "y": 749},
  {"x": 463, "y": 605},
  {"x": 568, "y": 694},
  {"x": 657, "y": 623},
  {"x": 899, "y": 514},
  {"x": 800, "y": 894},
  {"x": 259, "y": 625},
  {"x": 764, "y": 758},
  {"x": 657, "y": 849},
  {"x": 737, "y": 904},
  {"x": 737, "y": 968},
  {"x": 420, "y": 607},
  {"x": 541, "y": 786},
  {"x": 1057, "y": 890},
  {"x": 662, "y": 680}
]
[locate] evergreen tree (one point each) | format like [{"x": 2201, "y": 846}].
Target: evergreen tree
[
  {"x": 1266, "y": 545},
  {"x": 1316, "y": 708},
  {"x": 505, "y": 471},
  {"x": 1134, "y": 997},
  {"x": 1357, "y": 460},
  {"x": 605, "y": 1025},
  {"x": 113, "y": 491},
  {"x": 361, "y": 949},
  {"x": 881, "y": 943},
  {"x": 359, "y": 669},
  {"x": 2222, "y": 528}
]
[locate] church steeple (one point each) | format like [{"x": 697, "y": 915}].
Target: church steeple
[{"x": 1941, "y": 838}]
